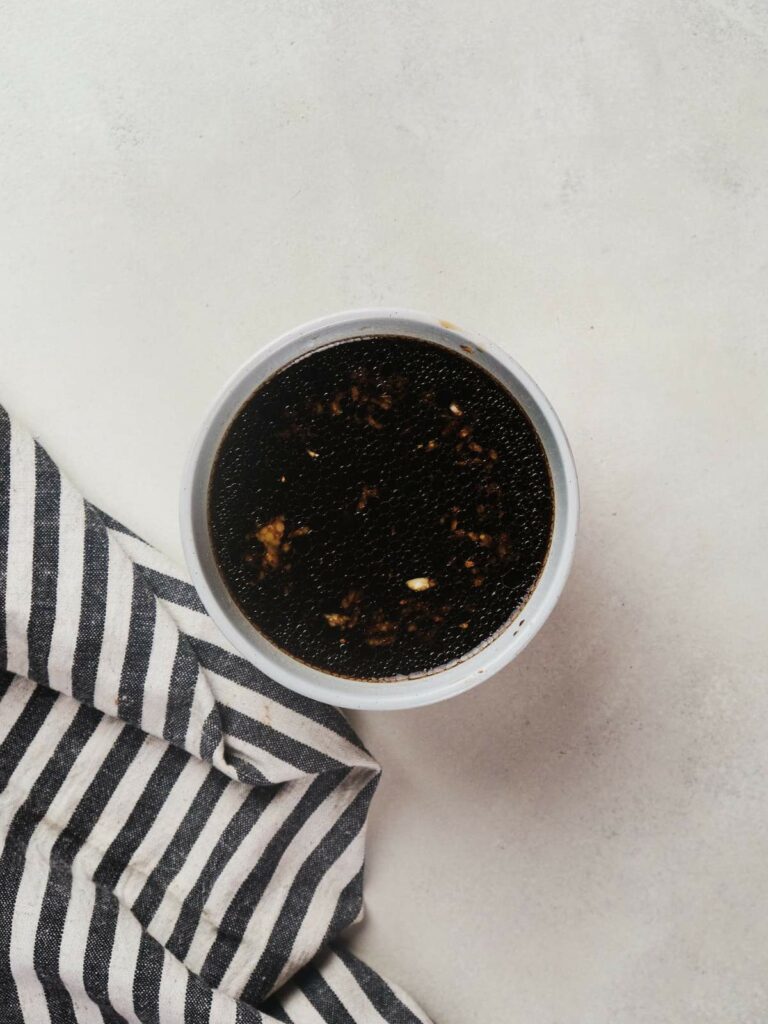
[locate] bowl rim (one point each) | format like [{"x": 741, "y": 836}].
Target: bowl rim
[{"x": 448, "y": 680}]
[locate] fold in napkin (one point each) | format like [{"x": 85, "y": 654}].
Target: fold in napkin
[{"x": 182, "y": 838}]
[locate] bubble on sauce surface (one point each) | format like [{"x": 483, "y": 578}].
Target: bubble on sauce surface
[{"x": 380, "y": 507}]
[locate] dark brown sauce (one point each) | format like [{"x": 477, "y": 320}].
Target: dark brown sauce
[{"x": 380, "y": 507}]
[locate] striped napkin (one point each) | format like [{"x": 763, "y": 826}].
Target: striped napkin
[{"x": 182, "y": 838}]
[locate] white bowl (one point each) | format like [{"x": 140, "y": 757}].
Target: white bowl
[{"x": 408, "y": 692}]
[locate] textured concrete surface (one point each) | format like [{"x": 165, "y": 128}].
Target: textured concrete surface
[{"x": 583, "y": 840}]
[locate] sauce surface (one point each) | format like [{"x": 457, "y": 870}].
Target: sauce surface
[{"x": 380, "y": 508}]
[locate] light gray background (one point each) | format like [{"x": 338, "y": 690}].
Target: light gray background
[{"x": 583, "y": 840}]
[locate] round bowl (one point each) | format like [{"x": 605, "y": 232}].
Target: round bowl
[{"x": 407, "y": 692}]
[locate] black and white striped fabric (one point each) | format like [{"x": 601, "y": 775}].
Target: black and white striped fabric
[{"x": 182, "y": 839}]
